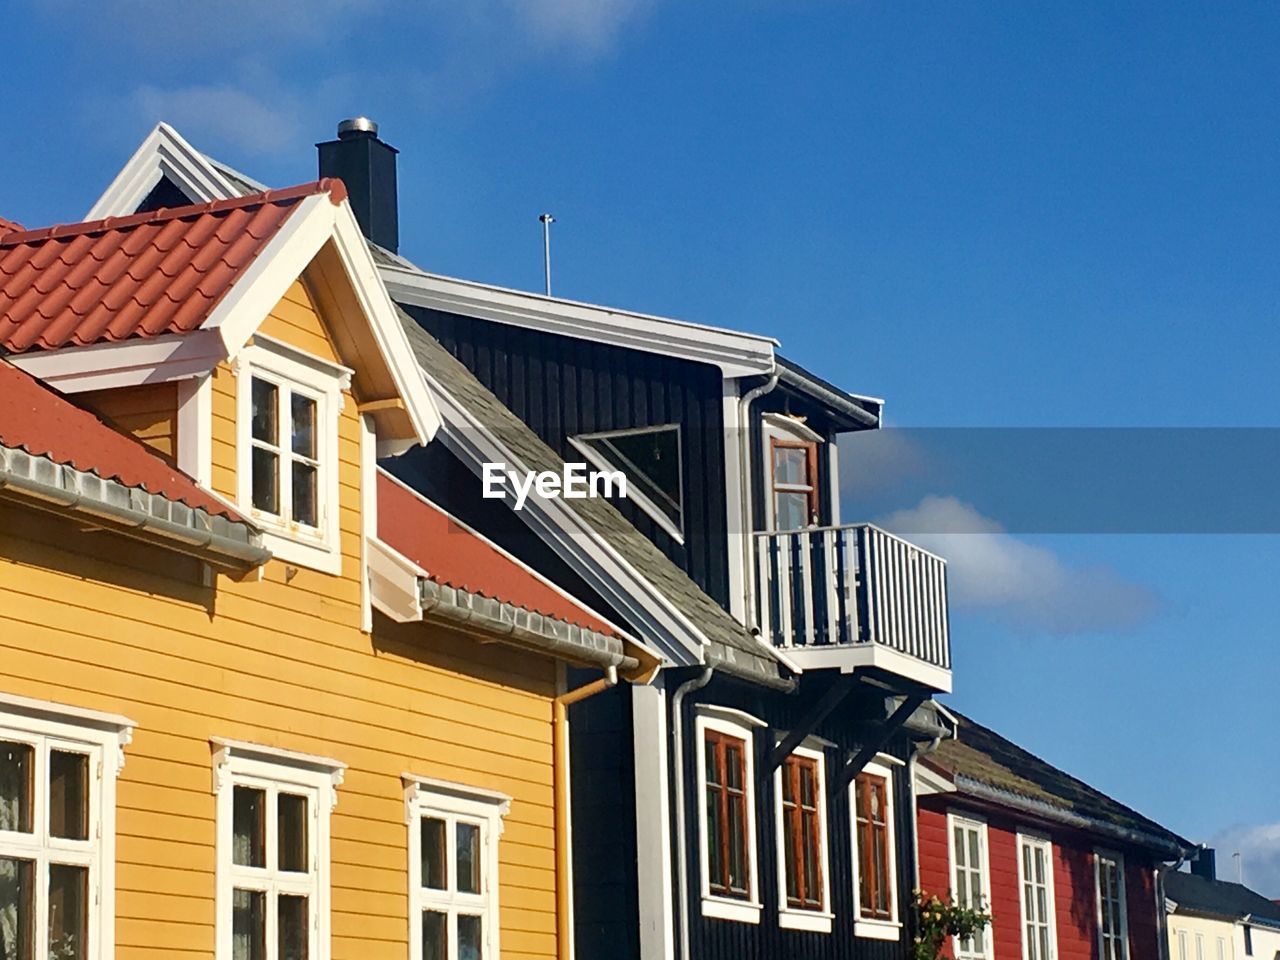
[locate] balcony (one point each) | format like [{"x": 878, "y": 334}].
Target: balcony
[{"x": 855, "y": 596}]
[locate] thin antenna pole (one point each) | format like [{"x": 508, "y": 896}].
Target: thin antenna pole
[
  {"x": 1239, "y": 867},
  {"x": 547, "y": 220}
]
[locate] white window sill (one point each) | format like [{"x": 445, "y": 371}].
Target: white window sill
[
  {"x": 878, "y": 929},
  {"x": 722, "y": 908},
  {"x": 814, "y": 921},
  {"x": 312, "y": 555}
]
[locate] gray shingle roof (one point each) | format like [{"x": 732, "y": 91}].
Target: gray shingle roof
[
  {"x": 980, "y": 755},
  {"x": 1218, "y": 898},
  {"x": 732, "y": 648}
]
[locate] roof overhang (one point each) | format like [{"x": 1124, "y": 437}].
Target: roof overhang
[
  {"x": 736, "y": 354},
  {"x": 404, "y": 592},
  {"x": 41, "y": 483}
]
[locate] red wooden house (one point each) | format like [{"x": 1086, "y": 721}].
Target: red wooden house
[{"x": 1066, "y": 872}]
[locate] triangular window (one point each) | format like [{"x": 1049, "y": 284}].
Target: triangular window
[{"x": 650, "y": 459}]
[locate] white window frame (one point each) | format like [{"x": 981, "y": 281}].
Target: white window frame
[
  {"x": 453, "y": 803},
  {"x": 237, "y": 763},
  {"x": 1044, "y": 842},
  {"x": 292, "y": 370},
  {"x": 732, "y": 723},
  {"x": 969, "y": 821},
  {"x": 875, "y": 928},
  {"x": 794, "y": 918},
  {"x": 1099, "y": 855},
  {"x": 601, "y": 462},
  {"x": 777, "y": 426},
  {"x": 102, "y": 737}
]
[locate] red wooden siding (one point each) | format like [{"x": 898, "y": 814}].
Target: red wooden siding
[{"x": 1073, "y": 881}]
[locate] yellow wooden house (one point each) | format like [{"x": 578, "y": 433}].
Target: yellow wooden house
[{"x": 247, "y": 710}]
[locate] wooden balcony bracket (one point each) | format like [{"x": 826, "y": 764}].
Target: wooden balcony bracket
[
  {"x": 877, "y": 737},
  {"x": 832, "y": 698}
]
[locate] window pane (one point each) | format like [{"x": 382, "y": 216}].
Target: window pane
[
  {"x": 303, "y": 412},
  {"x": 433, "y": 854},
  {"x": 792, "y": 511},
  {"x": 469, "y": 945},
  {"x": 733, "y": 764},
  {"x": 248, "y": 925},
  {"x": 468, "y": 858},
  {"x": 304, "y": 494},
  {"x": 16, "y": 780},
  {"x": 17, "y": 887},
  {"x": 715, "y": 833},
  {"x": 68, "y": 912},
  {"x": 248, "y": 842},
  {"x": 712, "y": 767},
  {"x": 791, "y": 465},
  {"x": 435, "y": 936},
  {"x": 737, "y": 844},
  {"x": 291, "y": 832},
  {"x": 265, "y": 409},
  {"x": 69, "y": 795},
  {"x": 266, "y": 480},
  {"x": 292, "y": 921}
]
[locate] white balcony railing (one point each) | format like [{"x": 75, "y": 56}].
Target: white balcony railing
[{"x": 823, "y": 590}]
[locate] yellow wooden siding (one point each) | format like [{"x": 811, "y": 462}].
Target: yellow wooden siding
[
  {"x": 92, "y": 620},
  {"x": 148, "y": 411}
]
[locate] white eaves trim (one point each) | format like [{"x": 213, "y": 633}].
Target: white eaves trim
[
  {"x": 393, "y": 583},
  {"x": 103, "y": 366},
  {"x": 560, "y": 526},
  {"x": 164, "y": 153},
  {"x": 736, "y": 354}
]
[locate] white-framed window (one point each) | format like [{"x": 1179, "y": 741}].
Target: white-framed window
[
  {"x": 272, "y": 848},
  {"x": 970, "y": 879},
  {"x": 726, "y": 814},
  {"x": 1222, "y": 948},
  {"x": 287, "y": 407},
  {"x": 58, "y": 770},
  {"x": 1113, "y": 921},
  {"x": 453, "y": 869},
  {"x": 875, "y": 861},
  {"x": 1200, "y": 946},
  {"x": 1182, "y": 946},
  {"x": 793, "y": 495},
  {"x": 1035, "y": 885},
  {"x": 800, "y": 798},
  {"x": 650, "y": 459}
]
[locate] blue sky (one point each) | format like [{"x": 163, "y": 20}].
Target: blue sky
[{"x": 999, "y": 214}]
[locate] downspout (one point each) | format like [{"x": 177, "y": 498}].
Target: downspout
[
  {"x": 744, "y": 458},
  {"x": 682, "y": 840},
  {"x": 560, "y": 750},
  {"x": 1162, "y": 929}
]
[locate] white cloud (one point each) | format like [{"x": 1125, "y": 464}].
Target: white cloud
[
  {"x": 1022, "y": 585},
  {"x": 1259, "y": 848},
  {"x": 222, "y": 114},
  {"x": 587, "y": 26}
]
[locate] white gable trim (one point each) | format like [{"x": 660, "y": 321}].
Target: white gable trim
[
  {"x": 164, "y": 153},
  {"x": 736, "y": 354}
]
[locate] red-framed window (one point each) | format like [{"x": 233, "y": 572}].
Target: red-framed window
[
  {"x": 794, "y": 483},
  {"x": 802, "y": 832},
  {"x": 728, "y": 844},
  {"x": 875, "y": 884}
]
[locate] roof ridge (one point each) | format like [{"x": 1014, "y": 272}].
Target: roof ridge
[{"x": 331, "y": 185}]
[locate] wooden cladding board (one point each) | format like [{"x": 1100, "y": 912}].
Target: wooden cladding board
[
  {"x": 98, "y": 621},
  {"x": 148, "y": 412}
]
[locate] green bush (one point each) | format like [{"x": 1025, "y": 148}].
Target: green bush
[{"x": 938, "y": 918}]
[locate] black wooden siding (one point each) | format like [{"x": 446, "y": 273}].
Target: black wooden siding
[
  {"x": 715, "y": 939},
  {"x": 563, "y": 386}
]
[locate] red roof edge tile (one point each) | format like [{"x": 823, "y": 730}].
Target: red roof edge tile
[
  {"x": 458, "y": 557},
  {"x": 331, "y": 185},
  {"x": 10, "y": 226}
]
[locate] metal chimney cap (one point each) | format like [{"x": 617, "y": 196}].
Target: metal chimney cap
[{"x": 356, "y": 125}]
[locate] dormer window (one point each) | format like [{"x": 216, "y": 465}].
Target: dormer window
[
  {"x": 287, "y": 457},
  {"x": 795, "y": 484}
]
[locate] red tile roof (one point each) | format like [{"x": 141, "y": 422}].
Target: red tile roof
[
  {"x": 37, "y": 419},
  {"x": 137, "y": 276},
  {"x": 459, "y": 557},
  {"x": 9, "y": 226}
]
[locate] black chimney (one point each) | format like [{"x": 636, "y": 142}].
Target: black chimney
[
  {"x": 1205, "y": 864},
  {"x": 367, "y": 167}
]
